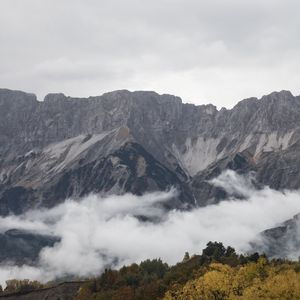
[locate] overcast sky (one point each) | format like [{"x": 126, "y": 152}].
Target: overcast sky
[{"x": 214, "y": 51}]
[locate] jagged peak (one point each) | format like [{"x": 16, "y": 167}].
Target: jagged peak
[
  {"x": 116, "y": 93},
  {"x": 17, "y": 93},
  {"x": 54, "y": 97},
  {"x": 124, "y": 94},
  {"x": 282, "y": 95},
  {"x": 246, "y": 105}
]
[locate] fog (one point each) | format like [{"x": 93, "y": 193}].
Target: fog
[{"x": 97, "y": 232}]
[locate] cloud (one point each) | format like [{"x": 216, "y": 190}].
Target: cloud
[
  {"x": 99, "y": 232},
  {"x": 204, "y": 51}
]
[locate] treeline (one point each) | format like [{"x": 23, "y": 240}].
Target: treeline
[
  {"x": 20, "y": 286},
  {"x": 219, "y": 273},
  {"x": 259, "y": 280}
]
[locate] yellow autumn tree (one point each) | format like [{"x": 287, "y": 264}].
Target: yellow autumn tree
[{"x": 260, "y": 280}]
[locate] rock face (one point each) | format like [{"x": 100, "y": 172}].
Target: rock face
[
  {"x": 23, "y": 247},
  {"x": 282, "y": 241},
  {"x": 140, "y": 142}
]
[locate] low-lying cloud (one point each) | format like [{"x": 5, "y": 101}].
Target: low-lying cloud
[{"x": 98, "y": 232}]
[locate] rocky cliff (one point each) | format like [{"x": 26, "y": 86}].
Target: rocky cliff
[
  {"x": 139, "y": 142},
  {"x": 281, "y": 241}
]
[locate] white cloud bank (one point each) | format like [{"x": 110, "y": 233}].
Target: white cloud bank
[{"x": 97, "y": 232}]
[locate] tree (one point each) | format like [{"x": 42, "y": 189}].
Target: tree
[
  {"x": 214, "y": 250},
  {"x": 260, "y": 280},
  {"x": 25, "y": 285},
  {"x": 186, "y": 257},
  {"x": 84, "y": 292}
]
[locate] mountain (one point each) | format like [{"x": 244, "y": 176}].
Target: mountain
[
  {"x": 23, "y": 247},
  {"x": 140, "y": 142},
  {"x": 281, "y": 241}
]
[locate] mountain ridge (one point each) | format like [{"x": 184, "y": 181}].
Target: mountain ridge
[{"x": 45, "y": 140}]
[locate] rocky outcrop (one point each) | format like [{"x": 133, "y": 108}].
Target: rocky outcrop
[
  {"x": 108, "y": 163},
  {"x": 138, "y": 142},
  {"x": 23, "y": 247},
  {"x": 280, "y": 242}
]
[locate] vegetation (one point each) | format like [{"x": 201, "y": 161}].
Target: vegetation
[
  {"x": 20, "y": 286},
  {"x": 260, "y": 280},
  {"x": 219, "y": 273}
]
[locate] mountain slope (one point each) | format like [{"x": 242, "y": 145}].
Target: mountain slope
[
  {"x": 281, "y": 241},
  {"x": 107, "y": 163},
  {"x": 140, "y": 141}
]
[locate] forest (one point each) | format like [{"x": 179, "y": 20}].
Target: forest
[{"x": 218, "y": 273}]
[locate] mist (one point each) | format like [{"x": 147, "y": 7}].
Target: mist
[{"x": 97, "y": 232}]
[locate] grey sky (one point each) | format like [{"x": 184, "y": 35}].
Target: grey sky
[{"x": 217, "y": 51}]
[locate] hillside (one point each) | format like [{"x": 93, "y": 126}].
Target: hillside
[{"x": 218, "y": 273}]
